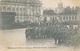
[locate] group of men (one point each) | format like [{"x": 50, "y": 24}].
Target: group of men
[{"x": 60, "y": 34}]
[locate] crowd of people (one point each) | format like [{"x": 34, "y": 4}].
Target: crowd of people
[{"x": 60, "y": 33}]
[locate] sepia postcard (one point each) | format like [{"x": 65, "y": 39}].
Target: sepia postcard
[{"x": 39, "y": 25}]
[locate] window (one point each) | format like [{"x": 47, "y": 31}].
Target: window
[
  {"x": 60, "y": 18},
  {"x": 8, "y": 9},
  {"x": 0, "y": 8},
  {"x": 72, "y": 18},
  {"x": 28, "y": 11},
  {"x": 23, "y": 9},
  {"x": 17, "y": 14},
  {"x": 69, "y": 18},
  {"x": 13, "y": 9},
  {"x": 53, "y": 18},
  {"x": 75, "y": 17},
  {"x": 63, "y": 18},
  {"x": 4, "y": 8},
  {"x": 16, "y": 9},
  {"x": 66, "y": 18},
  {"x": 20, "y": 9},
  {"x": 20, "y": 13},
  {"x": 24, "y": 13},
  {"x": 71, "y": 26}
]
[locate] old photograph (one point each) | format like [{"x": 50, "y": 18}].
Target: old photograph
[{"x": 40, "y": 25}]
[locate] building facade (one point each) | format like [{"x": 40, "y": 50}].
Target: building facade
[
  {"x": 26, "y": 10},
  {"x": 60, "y": 15}
]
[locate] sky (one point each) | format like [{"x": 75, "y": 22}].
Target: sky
[{"x": 54, "y": 3}]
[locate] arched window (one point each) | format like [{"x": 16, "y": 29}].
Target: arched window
[
  {"x": 4, "y": 8},
  {"x": 8, "y": 9}
]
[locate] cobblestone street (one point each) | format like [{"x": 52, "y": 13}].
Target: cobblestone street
[{"x": 16, "y": 38}]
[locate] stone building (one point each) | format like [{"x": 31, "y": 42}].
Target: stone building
[
  {"x": 78, "y": 16},
  {"x": 62, "y": 18},
  {"x": 60, "y": 8},
  {"x": 60, "y": 15},
  {"x": 26, "y": 10}
]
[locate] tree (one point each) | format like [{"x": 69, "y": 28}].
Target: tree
[
  {"x": 49, "y": 12},
  {"x": 67, "y": 10},
  {"x": 75, "y": 39},
  {"x": 77, "y": 8}
]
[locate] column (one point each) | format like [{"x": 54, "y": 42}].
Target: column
[
  {"x": 62, "y": 18},
  {"x": 68, "y": 17},
  {"x": 71, "y": 17},
  {"x": 36, "y": 14},
  {"x": 30, "y": 13},
  {"x": 33, "y": 13},
  {"x": 39, "y": 11}
]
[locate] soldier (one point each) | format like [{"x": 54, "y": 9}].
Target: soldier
[{"x": 27, "y": 32}]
